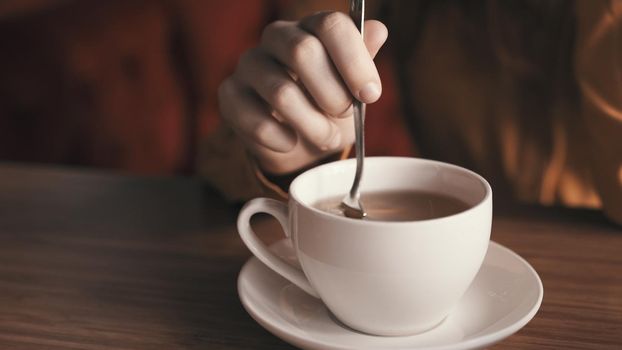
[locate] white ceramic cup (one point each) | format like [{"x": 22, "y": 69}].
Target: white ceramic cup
[{"x": 380, "y": 277}]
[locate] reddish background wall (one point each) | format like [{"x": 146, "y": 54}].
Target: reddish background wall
[{"x": 131, "y": 84}]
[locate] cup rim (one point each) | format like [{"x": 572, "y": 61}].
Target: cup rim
[{"x": 487, "y": 195}]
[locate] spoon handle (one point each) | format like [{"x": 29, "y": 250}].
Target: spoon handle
[
  {"x": 359, "y": 145},
  {"x": 357, "y": 13}
]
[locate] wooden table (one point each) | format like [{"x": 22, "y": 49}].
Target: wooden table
[{"x": 93, "y": 260}]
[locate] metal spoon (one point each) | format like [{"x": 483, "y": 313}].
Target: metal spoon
[{"x": 351, "y": 203}]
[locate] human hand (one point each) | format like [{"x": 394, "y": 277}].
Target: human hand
[{"x": 290, "y": 98}]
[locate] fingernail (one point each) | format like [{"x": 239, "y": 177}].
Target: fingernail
[{"x": 369, "y": 93}]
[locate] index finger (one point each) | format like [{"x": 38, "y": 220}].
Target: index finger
[{"x": 347, "y": 50}]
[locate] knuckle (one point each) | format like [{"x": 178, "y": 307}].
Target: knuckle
[
  {"x": 247, "y": 64},
  {"x": 263, "y": 132},
  {"x": 271, "y": 30},
  {"x": 305, "y": 48},
  {"x": 247, "y": 58},
  {"x": 225, "y": 90},
  {"x": 282, "y": 94},
  {"x": 331, "y": 20}
]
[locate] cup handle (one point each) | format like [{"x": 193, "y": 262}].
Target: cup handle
[{"x": 259, "y": 249}]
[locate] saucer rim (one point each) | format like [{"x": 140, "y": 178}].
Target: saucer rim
[{"x": 476, "y": 342}]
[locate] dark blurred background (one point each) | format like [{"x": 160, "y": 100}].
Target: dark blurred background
[{"x": 131, "y": 84}]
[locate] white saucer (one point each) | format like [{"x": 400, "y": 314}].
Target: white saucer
[{"x": 504, "y": 296}]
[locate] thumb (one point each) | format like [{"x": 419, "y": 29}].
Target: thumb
[{"x": 375, "y": 36}]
